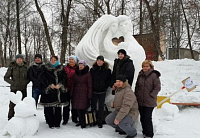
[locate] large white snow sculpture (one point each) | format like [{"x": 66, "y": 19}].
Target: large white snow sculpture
[
  {"x": 24, "y": 122},
  {"x": 98, "y": 41}
]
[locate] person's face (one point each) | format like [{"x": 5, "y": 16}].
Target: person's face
[
  {"x": 100, "y": 62},
  {"x": 120, "y": 56},
  {"x": 146, "y": 67},
  {"x": 81, "y": 66},
  {"x": 38, "y": 60},
  {"x": 53, "y": 60},
  {"x": 71, "y": 61},
  {"x": 19, "y": 60},
  {"x": 119, "y": 83},
  {"x": 114, "y": 27}
]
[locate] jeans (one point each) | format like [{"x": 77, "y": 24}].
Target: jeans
[{"x": 35, "y": 94}]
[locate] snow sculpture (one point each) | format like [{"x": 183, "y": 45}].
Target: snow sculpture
[
  {"x": 98, "y": 41},
  {"x": 24, "y": 122},
  {"x": 169, "y": 111}
]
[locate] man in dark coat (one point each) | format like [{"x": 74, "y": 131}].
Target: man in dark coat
[
  {"x": 17, "y": 77},
  {"x": 123, "y": 65},
  {"x": 35, "y": 72},
  {"x": 101, "y": 76}
]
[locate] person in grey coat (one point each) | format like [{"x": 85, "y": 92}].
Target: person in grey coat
[{"x": 146, "y": 90}]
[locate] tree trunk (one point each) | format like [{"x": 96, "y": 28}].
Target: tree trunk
[
  {"x": 141, "y": 23},
  {"x": 64, "y": 29},
  {"x": 123, "y": 7},
  {"x": 1, "y": 55},
  {"x": 155, "y": 30},
  {"x": 18, "y": 28},
  {"x": 107, "y": 2},
  {"x": 45, "y": 28}
]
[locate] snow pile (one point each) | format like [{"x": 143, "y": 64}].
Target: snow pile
[
  {"x": 169, "y": 111},
  {"x": 24, "y": 123},
  {"x": 172, "y": 73}
]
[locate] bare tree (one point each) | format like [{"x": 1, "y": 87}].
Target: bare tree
[
  {"x": 18, "y": 28},
  {"x": 45, "y": 27}
]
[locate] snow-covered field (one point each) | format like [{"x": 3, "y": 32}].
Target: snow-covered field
[{"x": 169, "y": 122}]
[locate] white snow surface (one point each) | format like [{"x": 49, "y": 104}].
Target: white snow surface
[{"x": 169, "y": 121}]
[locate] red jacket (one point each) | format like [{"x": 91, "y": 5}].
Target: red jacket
[{"x": 70, "y": 72}]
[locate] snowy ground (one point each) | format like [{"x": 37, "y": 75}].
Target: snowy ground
[{"x": 167, "y": 124}]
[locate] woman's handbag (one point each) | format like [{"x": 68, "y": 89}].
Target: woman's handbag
[{"x": 90, "y": 118}]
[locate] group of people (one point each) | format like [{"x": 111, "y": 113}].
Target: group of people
[{"x": 75, "y": 87}]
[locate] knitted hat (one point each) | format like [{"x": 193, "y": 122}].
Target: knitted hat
[
  {"x": 19, "y": 56},
  {"x": 122, "y": 51},
  {"x": 83, "y": 62},
  {"x": 74, "y": 57},
  {"x": 121, "y": 78},
  {"x": 100, "y": 58},
  {"x": 38, "y": 55}
]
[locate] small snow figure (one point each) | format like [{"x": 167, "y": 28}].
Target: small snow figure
[{"x": 24, "y": 121}]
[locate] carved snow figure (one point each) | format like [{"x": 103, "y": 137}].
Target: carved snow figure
[
  {"x": 106, "y": 36},
  {"x": 24, "y": 122}
]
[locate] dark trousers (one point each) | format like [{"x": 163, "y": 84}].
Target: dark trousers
[
  {"x": 35, "y": 94},
  {"x": 98, "y": 99},
  {"x": 11, "y": 111},
  {"x": 66, "y": 111},
  {"x": 146, "y": 120},
  {"x": 81, "y": 116},
  {"x": 53, "y": 116}
]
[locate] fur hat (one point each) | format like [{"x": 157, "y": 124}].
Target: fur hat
[
  {"x": 38, "y": 55},
  {"x": 100, "y": 58},
  {"x": 83, "y": 62},
  {"x": 122, "y": 51},
  {"x": 121, "y": 78},
  {"x": 19, "y": 56}
]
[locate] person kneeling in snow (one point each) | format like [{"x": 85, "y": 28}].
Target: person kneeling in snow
[{"x": 126, "y": 108}]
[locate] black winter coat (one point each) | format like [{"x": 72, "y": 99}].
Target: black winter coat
[
  {"x": 35, "y": 71},
  {"x": 124, "y": 67},
  {"x": 101, "y": 77},
  {"x": 53, "y": 97}
]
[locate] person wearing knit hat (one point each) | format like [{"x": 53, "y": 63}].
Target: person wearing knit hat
[
  {"x": 126, "y": 109},
  {"x": 101, "y": 75},
  {"x": 70, "y": 70},
  {"x": 123, "y": 65},
  {"x": 121, "y": 78},
  {"x": 38, "y": 56},
  {"x": 34, "y": 73},
  {"x": 81, "y": 91},
  {"x": 19, "y": 56},
  {"x": 17, "y": 77},
  {"x": 75, "y": 58},
  {"x": 100, "y": 58},
  {"x": 83, "y": 62}
]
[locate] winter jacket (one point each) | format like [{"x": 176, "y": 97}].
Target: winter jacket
[
  {"x": 101, "y": 77},
  {"x": 54, "y": 97},
  {"x": 35, "y": 71},
  {"x": 81, "y": 90},
  {"x": 124, "y": 67},
  {"x": 125, "y": 102},
  {"x": 147, "y": 88},
  {"x": 70, "y": 72},
  {"x": 17, "y": 76}
]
